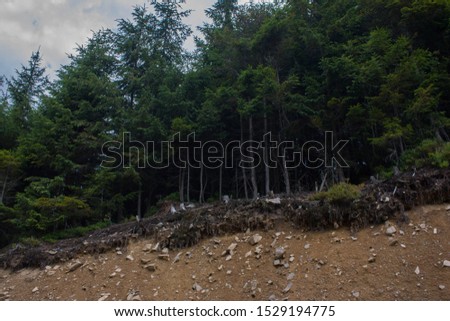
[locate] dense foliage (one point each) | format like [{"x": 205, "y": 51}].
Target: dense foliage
[{"x": 374, "y": 72}]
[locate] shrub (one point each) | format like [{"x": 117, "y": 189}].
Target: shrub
[{"x": 339, "y": 193}]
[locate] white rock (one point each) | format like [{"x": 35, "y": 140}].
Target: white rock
[
  {"x": 391, "y": 230},
  {"x": 417, "y": 270},
  {"x": 35, "y": 290},
  {"x": 276, "y": 200},
  {"x": 307, "y": 246},
  {"x": 255, "y": 239},
  {"x": 288, "y": 287},
  {"x": 446, "y": 263},
  {"x": 129, "y": 258},
  {"x": 279, "y": 253}
]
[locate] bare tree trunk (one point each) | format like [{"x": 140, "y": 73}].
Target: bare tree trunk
[
  {"x": 188, "y": 197},
  {"x": 201, "y": 199},
  {"x": 139, "y": 207},
  {"x": 181, "y": 184},
  {"x": 266, "y": 159},
  {"x": 244, "y": 175},
  {"x": 252, "y": 170},
  {"x": 220, "y": 184},
  {"x": 4, "y": 188}
]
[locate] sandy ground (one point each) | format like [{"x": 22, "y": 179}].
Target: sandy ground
[{"x": 329, "y": 265}]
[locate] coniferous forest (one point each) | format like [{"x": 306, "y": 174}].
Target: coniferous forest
[{"x": 375, "y": 73}]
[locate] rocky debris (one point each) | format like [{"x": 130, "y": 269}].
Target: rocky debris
[
  {"x": 291, "y": 276},
  {"x": 272, "y": 297},
  {"x": 147, "y": 248},
  {"x": 435, "y": 231},
  {"x": 287, "y": 288},
  {"x": 177, "y": 258},
  {"x": 36, "y": 289},
  {"x": 165, "y": 251},
  {"x": 4, "y": 296},
  {"x": 129, "y": 258},
  {"x": 391, "y": 230},
  {"x": 279, "y": 253},
  {"x": 276, "y": 201},
  {"x": 52, "y": 252},
  {"x": 248, "y": 254},
  {"x": 277, "y": 263},
  {"x": 134, "y": 296},
  {"x": 220, "y": 268},
  {"x": 150, "y": 267},
  {"x": 73, "y": 266},
  {"x": 155, "y": 248},
  {"x": 441, "y": 287},
  {"x": 104, "y": 296},
  {"x": 145, "y": 260},
  {"x": 229, "y": 250},
  {"x": 197, "y": 287},
  {"x": 446, "y": 263},
  {"x": 371, "y": 259},
  {"x": 417, "y": 270},
  {"x": 355, "y": 294},
  {"x": 164, "y": 257},
  {"x": 393, "y": 242},
  {"x": 254, "y": 239},
  {"x": 354, "y": 238},
  {"x": 307, "y": 246}
]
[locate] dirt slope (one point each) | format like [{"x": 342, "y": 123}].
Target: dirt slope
[{"x": 330, "y": 265}]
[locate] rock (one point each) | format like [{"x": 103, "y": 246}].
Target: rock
[
  {"x": 220, "y": 268},
  {"x": 447, "y": 208},
  {"x": 228, "y": 258},
  {"x": 177, "y": 257},
  {"x": 371, "y": 259},
  {"x": 355, "y": 294},
  {"x": 254, "y": 239},
  {"x": 287, "y": 288},
  {"x": 354, "y": 238},
  {"x": 73, "y": 266},
  {"x": 155, "y": 248},
  {"x": 197, "y": 287},
  {"x": 417, "y": 270},
  {"x": 147, "y": 248},
  {"x": 336, "y": 225},
  {"x": 119, "y": 253},
  {"x": 291, "y": 276},
  {"x": 229, "y": 272},
  {"x": 279, "y": 253},
  {"x": 248, "y": 254},
  {"x": 232, "y": 247},
  {"x": 307, "y": 246},
  {"x": 164, "y": 257},
  {"x": 391, "y": 230},
  {"x": 435, "y": 231},
  {"x": 52, "y": 252},
  {"x": 217, "y": 241},
  {"x": 104, "y": 296},
  {"x": 272, "y": 297},
  {"x": 129, "y": 258},
  {"x": 277, "y": 263},
  {"x": 36, "y": 289},
  {"x": 446, "y": 263},
  {"x": 441, "y": 287},
  {"x": 276, "y": 201},
  {"x": 423, "y": 226},
  {"x": 165, "y": 251},
  {"x": 145, "y": 260},
  {"x": 150, "y": 267},
  {"x": 393, "y": 242}
]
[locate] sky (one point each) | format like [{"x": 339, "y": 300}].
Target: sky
[{"x": 57, "y": 26}]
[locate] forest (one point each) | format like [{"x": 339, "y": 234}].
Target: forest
[{"x": 375, "y": 73}]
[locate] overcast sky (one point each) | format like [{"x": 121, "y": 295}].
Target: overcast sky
[{"x": 56, "y": 26}]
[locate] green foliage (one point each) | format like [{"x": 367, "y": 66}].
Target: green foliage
[
  {"x": 339, "y": 193},
  {"x": 78, "y": 231},
  {"x": 428, "y": 153}
]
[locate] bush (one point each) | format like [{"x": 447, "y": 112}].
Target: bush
[
  {"x": 339, "y": 193},
  {"x": 429, "y": 152},
  {"x": 74, "y": 232}
]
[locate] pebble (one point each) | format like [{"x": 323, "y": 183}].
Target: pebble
[
  {"x": 355, "y": 294},
  {"x": 291, "y": 276},
  {"x": 165, "y": 251},
  {"x": 307, "y": 246},
  {"x": 130, "y": 258},
  {"x": 150, "y": 267},
  {"x": 147, "y": 248},
  {"x": 255, "y": 239},
  {"x": 441, "y": 287},
  {"x": 287, "y": 288},
  {"x": 197, "y": 287},
  {"x": 164, "y": 257},
  {"x": 393, "y": 242},
  {"x": 391, "y": 230},
  {"x": 177, "y": 257},
  {"x": 248, "y": 254},
  {"x": 417, "y": 270},
  {"x": 36, "y": 289},
  {"x": 279, "y": 253},
  {"x": 371, "y": 259},
  {"x": 73, "y": 266},
  {"x": 446, "y": 263}
]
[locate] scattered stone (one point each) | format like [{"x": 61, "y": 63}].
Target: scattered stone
[
  {"x": 150, "y": 267},
  {"x": 232, "y": 247},
  {"x": 279, "y": 253},
  {"x": 36, "y": 289},
  {"x": 336, "y": 225},
  {"x": 371, "y": 259},
  {"x": 417, "y": 271},
  {"x": 104, "y": 296},
  {"x": 248, "y": 254},
  {"x": 435, "y": 231},
  {"x": 354, "y": 238},
  {"x": 155, "y": 248},
  {"x": 272, "y": 297},
  {"x": 217, "y": 241},
  {"x": 287, "y": 288},
  {"x": 291, "y": 259},
  {"x": 228, "y": 258},
  {"x": 112, "y": 275},
  {"x": 276, "y": 201},
  {"x": 164, "y": 257},
  {"x": 336, "y": 240},
  {"x": 355, "y": 294},
  {"x": 73, "y": 266},
  {"x": 447, "y": 208},
  {"x": 322, "y": 262},
  {"x": 165, "y": 251},
  {"x": 147, "y": 248},
  {"x": 401, "y": 232},
  {"x": 393, "y": 242},
  {"x": 441, "y": 287},
  {"x": 254, "y": 239},
  {"x": 277, "y": 263},
  {"x": 197, "y": 287},
  {"x": 220, "y": 268},
  {"x": 52, "y": 252},
  {"x": 403, "y": 246},
  {"x": 307, "y": 246},
  {"x": 119, "y": 253},
  {"x": 270, "y": 282},
  {"x": 423, "y": 226},
  {"x": 446, "y": 263},
  {"x": 129, "y": 258},
  {"x": 177, "y": 257},
  {"x": 391, "y": 230},
  {"x": 291, "y": 276},
  {"x": 145, "y": 260},
  {"x": 229, "y": 272}
]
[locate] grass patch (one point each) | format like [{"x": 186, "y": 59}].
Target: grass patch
[{"x": 339, "y": 193}]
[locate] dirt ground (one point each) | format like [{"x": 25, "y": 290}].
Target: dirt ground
[{"x": 329, "y": 265}]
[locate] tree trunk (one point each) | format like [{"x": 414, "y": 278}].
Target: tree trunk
[
  {"x": 252, "y": 170},
  {"x": 188, "y": 197},
  {"x": 244, "y": 175},
  {"x": 139, "y": 207},
  {"x": 287, "y": 184},
  {"x": 2, "y": 195},
  {"x": 220, "y": 184},
  {"x": 181, "y": 184},
  {"x": 200, "y": 198},
  {"x": 266, "y": 159}
]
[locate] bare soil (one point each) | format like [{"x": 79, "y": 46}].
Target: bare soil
[{"x": 325, "y": 265}]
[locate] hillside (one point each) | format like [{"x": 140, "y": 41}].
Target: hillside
[{"x": 411, "y": 264}]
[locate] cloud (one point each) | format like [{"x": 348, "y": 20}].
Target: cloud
[{"x": 57, "y": 26}]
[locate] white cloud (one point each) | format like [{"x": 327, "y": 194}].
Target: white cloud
[{"x": 56, "y": 26}]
